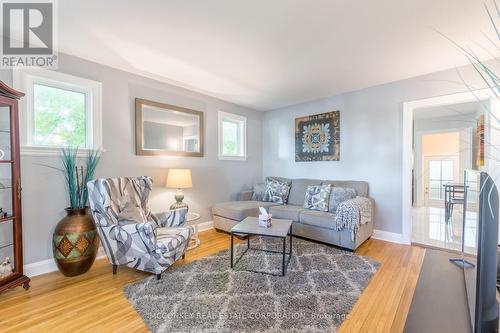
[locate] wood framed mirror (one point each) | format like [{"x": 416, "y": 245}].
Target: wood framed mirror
[{"x": 163, "y": 129}]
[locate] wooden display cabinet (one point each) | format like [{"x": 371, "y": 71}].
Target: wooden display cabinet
[{"x": 11, "y": 243}]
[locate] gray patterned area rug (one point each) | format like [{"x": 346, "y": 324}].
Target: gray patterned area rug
[{"x": 316, "y": 295}]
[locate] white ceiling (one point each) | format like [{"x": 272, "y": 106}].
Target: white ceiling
[{"x": 266, "y": 54}]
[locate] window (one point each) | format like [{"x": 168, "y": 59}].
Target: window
[
  {"x": 59, "y": 117},
  {"x": 232, "y": 136},
  {"x": 58, "y": 110},
  {"x": 440, "y": 173}
]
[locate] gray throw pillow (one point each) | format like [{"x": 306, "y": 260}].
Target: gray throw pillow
[
  {"x": 280, "y": 180},
  {"x": 258, "y": 191},
  {"x": 131, "y": 214},
  {"x": 338, "y": 195},
  {"x": 317, "y": 197},
  {"x": 276, "y": 192}
]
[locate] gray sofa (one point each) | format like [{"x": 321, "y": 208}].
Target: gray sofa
[{"x": 307, "y": 223}]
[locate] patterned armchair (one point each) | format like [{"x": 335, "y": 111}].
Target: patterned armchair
[{"x": 128, "y": 229}]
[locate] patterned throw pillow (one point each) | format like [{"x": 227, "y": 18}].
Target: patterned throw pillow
[
  {"x": 259, "y": 190},
  {"x": 317, "y": 197},
  {"x": 276, "y": 192},
  {"x": 340, "y": 194}
]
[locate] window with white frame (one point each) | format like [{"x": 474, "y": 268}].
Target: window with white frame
[
  {"x": 232, "y": 136},
  {"x": 59, "y": 110}
]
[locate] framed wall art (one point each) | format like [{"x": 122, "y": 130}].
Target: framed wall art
[{"x": 317, "y": 137}]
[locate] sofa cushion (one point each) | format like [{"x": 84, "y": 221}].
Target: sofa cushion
[
  {"x": 276, "y": 192},
  {"x": 298, "y": 190},
  {"x": 279, "y": 179},
  {"x": 259, "y": 190},
  {"x": 360, "y": 187},
  {"x": 238, "y": 210},
  {"x": 338, "y": 195},
  {"x": 288, "y": 212},
  {"x": 317, "y": 218},
  {"x": 317, "y": 197}
]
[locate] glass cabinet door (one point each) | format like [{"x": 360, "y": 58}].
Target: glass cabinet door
[
  {"x": 6, "y": 249},
  {"x": 5, "y": 134},
  {"x": 6, "y": 165},
  {"x": 7, "y": 214}
]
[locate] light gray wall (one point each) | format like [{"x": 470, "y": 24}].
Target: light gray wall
[
  {"x": 370, "y": 138},
  {"x": 44, "y": 196}
]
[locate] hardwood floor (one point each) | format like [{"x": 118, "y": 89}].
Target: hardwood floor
[{"x": 94, "y": 302}]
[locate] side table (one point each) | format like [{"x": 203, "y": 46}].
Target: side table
[{"x": 193, "y": 219}]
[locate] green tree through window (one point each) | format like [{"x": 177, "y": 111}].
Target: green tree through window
[
  {"x": 59, "y": 117},
  {"x": 230, "y": 138}
]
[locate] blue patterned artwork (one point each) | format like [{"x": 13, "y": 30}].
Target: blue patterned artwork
[{"x": 317, "y": 137}]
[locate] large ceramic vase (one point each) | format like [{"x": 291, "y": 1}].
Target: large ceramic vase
[{"x": 75, "y": 242}]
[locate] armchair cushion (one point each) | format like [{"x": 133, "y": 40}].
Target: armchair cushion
[
  {"x": 172, "y": 218},
  {"x": 131, "y": 214},
  {"x": 145, "y": 232},
  {"x": 169, "y": 239}
]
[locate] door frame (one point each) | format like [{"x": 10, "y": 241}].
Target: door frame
[{"x": 492, "y": 166}]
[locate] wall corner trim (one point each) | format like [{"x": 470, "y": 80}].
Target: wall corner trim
[{"x": 390, "y": 237}]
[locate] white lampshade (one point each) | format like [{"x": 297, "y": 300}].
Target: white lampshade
[{"x": 179, "y": 178}]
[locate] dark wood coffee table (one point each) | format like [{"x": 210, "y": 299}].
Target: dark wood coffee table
[{"x": 250, "y": 226}]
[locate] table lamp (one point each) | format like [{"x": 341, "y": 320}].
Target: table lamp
[{"x": 179, "y": 179}]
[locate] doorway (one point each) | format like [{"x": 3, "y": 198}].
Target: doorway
[
  {"x": 443, "y": 149},
  {"x": 435, "y": 230}
]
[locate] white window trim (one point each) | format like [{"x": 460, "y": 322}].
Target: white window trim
[
  {"x": 224, "y": 115},
  {"x": 23, "y": 80}
]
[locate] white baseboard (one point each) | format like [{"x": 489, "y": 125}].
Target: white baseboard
[
  {"x": 206, "y": 225},
  {"x": 389, "y": 236},
  {"x": 47, "y": 266},
  {"x": 40, "y": 267}
]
